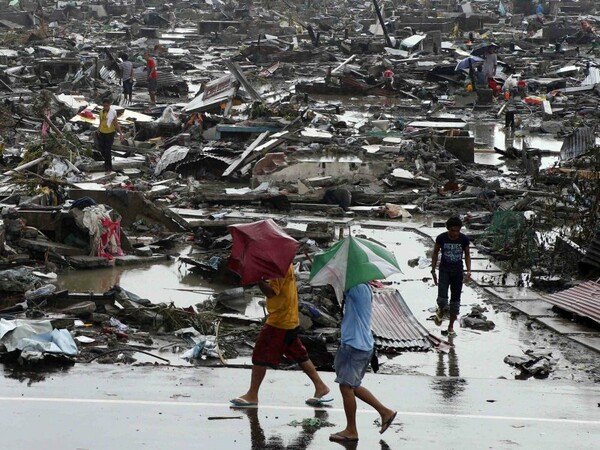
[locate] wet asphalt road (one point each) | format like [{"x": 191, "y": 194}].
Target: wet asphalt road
[{"x": 121, "y": 407}]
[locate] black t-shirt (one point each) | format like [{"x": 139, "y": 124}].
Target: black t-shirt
[{"x": 452, "y": 251}]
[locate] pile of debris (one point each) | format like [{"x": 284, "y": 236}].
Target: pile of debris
[
  {"x": 535, "y": 363},
  {"x": 476, "y": 319},
  {"x": 326, "y": 109}
]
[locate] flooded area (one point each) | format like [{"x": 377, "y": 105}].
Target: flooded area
[
  {"x": 493, "y": 135},
  {"x": 478, "y": 354}
]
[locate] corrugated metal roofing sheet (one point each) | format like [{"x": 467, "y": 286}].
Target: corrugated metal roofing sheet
[
  {"x": 413, "y": 40},
  {"x": 593, "y": 77},
  {"x": 578, "y": 143},
  {"x": 583, "y": 300},
  {"x": 215, "y": 92},
  {"x": 394, "y": 326}
]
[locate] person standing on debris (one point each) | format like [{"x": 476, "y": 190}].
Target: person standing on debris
[
  {"x": 152, "y": 76},
  {"x": 452, "y": 244},
  {"x": 352, "y": 359},
  {"x": 278, "y": 338},
  {"x": 127, "y": 76},
  {"x": 539, "y": 11},
  {"x": 106, "y": 132},
  {"x": 490, "y": 63}
]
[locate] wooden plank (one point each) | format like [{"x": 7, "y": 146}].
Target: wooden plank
[
  {"x": 237, "y": 73},
  {"x": 433, "y": 124},
  {"x": 343, "y": 64},
  {"x": 33, "y": 163},
  {"x": 234, "y": 165}
]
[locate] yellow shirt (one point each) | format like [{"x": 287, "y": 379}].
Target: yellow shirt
[
  {"x": 104, "y": 127},
  {"x": 283, "y": 307}
]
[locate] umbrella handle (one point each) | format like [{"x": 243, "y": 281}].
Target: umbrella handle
[{"x": 308, "y": 256}]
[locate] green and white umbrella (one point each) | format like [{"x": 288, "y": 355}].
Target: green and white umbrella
[{"x": 350, "y": 262}]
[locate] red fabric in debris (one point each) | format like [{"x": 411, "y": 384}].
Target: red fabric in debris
[
  {"x": 109, "y": 249},
  {"x": 87, "y": 114}
]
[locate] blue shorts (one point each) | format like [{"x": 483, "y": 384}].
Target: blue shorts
[{"x": 351, "y": 365}]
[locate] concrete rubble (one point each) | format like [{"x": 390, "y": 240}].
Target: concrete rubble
[{"x": 333, "y": 111}]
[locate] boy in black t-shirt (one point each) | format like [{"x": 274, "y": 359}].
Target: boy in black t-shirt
[{"x": 453, "y": 244}]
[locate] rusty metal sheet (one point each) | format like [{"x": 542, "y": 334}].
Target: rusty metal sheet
[
  {"x": 394, "y": 325},
  {"x": 583, "y": 300}
]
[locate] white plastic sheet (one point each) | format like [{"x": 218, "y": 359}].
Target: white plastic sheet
[
  {"x": 36, "y": 336},
  {"x": 13, "y": 331}
]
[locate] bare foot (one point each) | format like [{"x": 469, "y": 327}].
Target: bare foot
[{"x": 321, "y": 391}]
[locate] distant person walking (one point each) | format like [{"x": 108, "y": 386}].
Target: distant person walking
[
  {"x": 152, "y": 77},
  {"x": 278, "y": 338},
  {"x": 127, "y": 76},
  {"x": 452, "y": 245},
  {"x": 352, "y": 360},
  {"x": 106, "y": 132}
]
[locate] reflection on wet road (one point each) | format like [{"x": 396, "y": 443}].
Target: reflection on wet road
[
  {"x": 99, "y": 407},
  {"x": 260, "y": 441},
  {"x": 300, "y": 441},
  {"x": 448, "y": 382}
]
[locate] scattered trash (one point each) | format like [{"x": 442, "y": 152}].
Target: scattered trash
[
  {"x": 476, "y": 319},
  {"x": 538, "y": 364}
]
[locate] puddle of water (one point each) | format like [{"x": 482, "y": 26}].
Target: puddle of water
[
  {"x": 492, "y": 135},
  {"x": 160, "y": 283}
]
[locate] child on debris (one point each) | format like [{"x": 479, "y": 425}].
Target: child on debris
[{"x": 452, "y": 244}]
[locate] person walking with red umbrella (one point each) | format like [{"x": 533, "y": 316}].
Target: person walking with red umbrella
[{"x": 278, "y": 338}]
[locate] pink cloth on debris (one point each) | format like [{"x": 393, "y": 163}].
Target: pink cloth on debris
[{"x": 110, "y": 241}]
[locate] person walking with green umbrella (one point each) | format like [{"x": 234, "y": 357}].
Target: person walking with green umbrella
[{"x": 352, "y": 360}]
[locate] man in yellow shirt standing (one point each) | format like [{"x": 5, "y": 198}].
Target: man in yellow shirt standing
[
  {"x": 279, "y": 337},
  {"x": 106, "y": 132}
]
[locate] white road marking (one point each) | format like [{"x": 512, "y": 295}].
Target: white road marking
[{"x": 227, "y": 405}]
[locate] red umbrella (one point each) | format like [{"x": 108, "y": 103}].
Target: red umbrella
[{"x": 260, "y": 249}]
